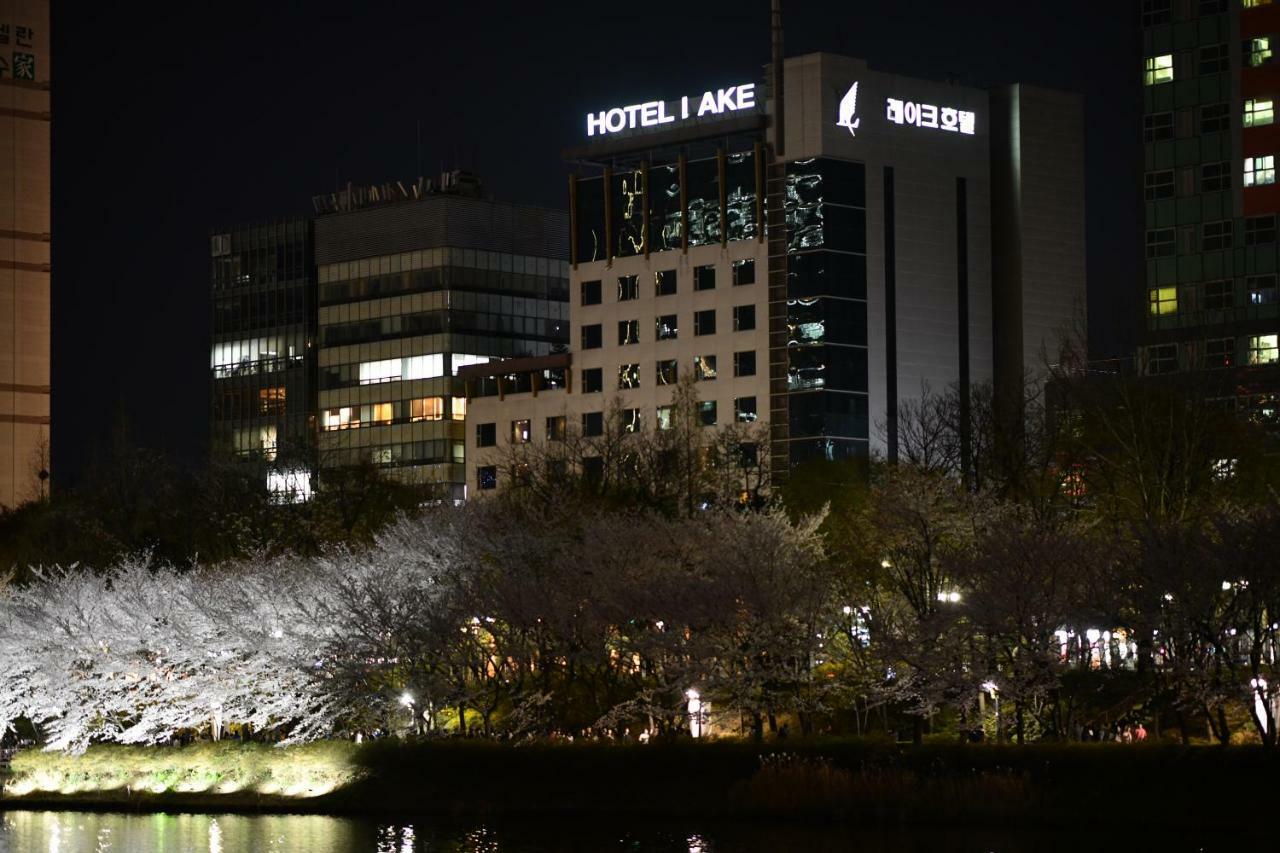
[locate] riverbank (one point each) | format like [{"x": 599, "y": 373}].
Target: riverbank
[{"x": 837, "y": 780}]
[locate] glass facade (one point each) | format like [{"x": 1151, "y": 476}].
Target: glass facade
[
  {"x": 262, "y": 357},
  {"x": 827, "y": 310}
]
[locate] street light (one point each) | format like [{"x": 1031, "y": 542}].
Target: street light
[{"x": 697, "y": 712}]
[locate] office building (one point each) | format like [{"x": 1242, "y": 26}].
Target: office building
[
  {"x": 814, "y": 260},
  {"x": 1210, "y": 297},
  {"x": 415, "y": 283},
  {"x": 25, "y": 383},
  {"x": 263, "y": 358}
]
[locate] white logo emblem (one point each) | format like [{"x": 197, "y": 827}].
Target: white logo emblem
[{"x": 849, "y": 111}]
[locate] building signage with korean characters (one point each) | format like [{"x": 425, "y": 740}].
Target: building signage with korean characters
[
  {"x": 715, "y": 102},
  {"x": 912, "y": 113},
  {"x": 14, "y": 61},
  {"x": 929, "y": 116}
]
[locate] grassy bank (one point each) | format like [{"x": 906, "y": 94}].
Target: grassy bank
[{"x": 822, "y": 779}]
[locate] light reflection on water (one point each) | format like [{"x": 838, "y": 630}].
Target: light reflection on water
[{"x": 92, "y": 832}]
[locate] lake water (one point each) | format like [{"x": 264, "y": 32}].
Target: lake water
[{"x": 93, "y": 832}]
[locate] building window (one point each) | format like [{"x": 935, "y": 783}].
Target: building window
[
  {"x": 1258, "y": 113},
  {"x": 1218, "y": 295},
  {"x": 704, "y": 322},
  {"x": 271, "y": 401},
  {"x": 428, "y": 408},
  {"x": 628, "y": 332},
  {"x": 521, "y": 431},
  {"x": 1159, "y": 185},
  {"x": 628, "y": 376},
  {"x": 1215, "y": 236},
  {"x": 556, "y": 428},
  {"x": 704, "y": 278},
  {"x": 744, "y": 271},
  {"x": 628, "y": 288},
  {"x": 1159, "y": 242},
  {"x": 1264, "y": 349},
  {"x": 1156, "y": 12},
  {"x": 667, "y": 372},
  {"x": 744, "y": 318},
  {"x": 1259, "y": 171},
  {"x": 487, "y": 477},
  {"x": 459, "y": 405},
  {"x": 666, "y": 327},
  {"x": 591, "y": 293},
  {"x": 1262, "y": 289},
  {"x": 1215, "y": 59},
  {"x": 382, "y": 413},
  {"x": 486, "y": 435},
  {"x": 704, "y": 368},
  {"x": 707, "y": 412},
  {"x": 664, "y": 283},
  {"x": 1215, "y": 118},
  {"x": 1158, "y": 69},
  {"x": 593, "y": 469},
  {"x": 592, "y": 424},
  {"x": 630, "y": 420},
  {"x": 1213, "y": 7},
  {"x": 744, "y": 363},
  {"x": 592, "y": 338},
  {"x": 1257, "y": 51},
  {"x": 1260, "y": 230},
  {"x": 1162, "y": 358},
  {"x": 1162, "y": 300},
  {"x": 1215, "y": 177},
  {"x": 1157, "y": 127},
  {"x": 592, "y": 380},
  {"x": 1220, "y": 352},
  {"x": 663, "y": 420},
  {"x": 744, "y": 409},
  {"x": 1253, "y": 4}
]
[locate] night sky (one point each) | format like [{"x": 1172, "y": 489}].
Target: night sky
[{"x": 169, "y": 122}]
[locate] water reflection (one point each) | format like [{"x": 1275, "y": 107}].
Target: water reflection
[{"x": 87, "y": 832}]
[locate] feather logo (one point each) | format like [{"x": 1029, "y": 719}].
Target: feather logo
[{"x": 849, "y": 111}]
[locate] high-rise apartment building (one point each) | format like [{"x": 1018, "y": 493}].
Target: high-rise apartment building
[
  {"x": 263, "y": 358},
  {"x": 1212, "y": 302},
  {"x": 813, "y": 261},
  {"x": 25, "y": 384},
  {"x": 414, "y": 284}
]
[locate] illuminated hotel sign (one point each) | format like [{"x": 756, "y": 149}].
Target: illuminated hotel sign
[
  {"x": 654, "y": 113},
  {"x": 929, "y": 116}
]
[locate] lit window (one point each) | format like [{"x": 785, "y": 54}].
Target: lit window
[
  {"x": 1253, "y": 4},
  {"x": 667, "y": 328},
  {"x": 628, "y": 376},
  {"x": 1258, "y": 113},
  {"x": 1259, "y": 170},
  {"x": 667, "y": 371},
  {"x": 744, "y": 409},
  {"x": 704, "y": 368},
  {"x": 427, "y": 408},
  {"x": 1159, "y": 69},
  {"x": 628, "y": 288},
  {"x": 339, "y": 419},
  {"x": 1264, "y": 349},
  {"x": 381, "y": 413},
  {"x": 628, "y": 332},
  {"x": 630, "y": 420},
  {"x": 271, "y": 401},
  {"x": 1262, "y": 289},
  {"x": 521, "y": 432},
  {"x": 1163, "y": 300},
  {"x": 459, "y": 408},
  {"x": 664, "y": 417},
  {"x": 1257, "y": 51}
]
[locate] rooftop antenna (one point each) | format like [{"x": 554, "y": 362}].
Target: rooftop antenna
[{"x": 776, "y": 79}]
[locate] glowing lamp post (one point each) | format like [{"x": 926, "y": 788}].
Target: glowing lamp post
[{"x": 698, "y": 711}]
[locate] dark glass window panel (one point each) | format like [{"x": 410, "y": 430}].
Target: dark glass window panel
[
  {"x": 666, "y": 327},
  {"x": 744, "y": 271},
  {"x": 628, "y": 288},
  {"x": 827, "y": 274},
  {"x": 664, "y": 207},
  {"x": 819, "y": 320},
  {"x": 593, "y": 424},
  {"x": 704, "y": 202},
  {"x": 487, "y": 477},
  {"x": 828, "y": 413},
  {"x": 486, "y": 435},
  {"x": 744, "y": 363},
  {"x": 704, "y": 277},
  {"x": 704, "y": 322},
  {"x": 591, "y": 293},
  {"x": 845, "y": 228},
  {"x": 837, "y": 368},
  {"x": 628, "y": 213},
  {"x": 589, "y": 226},
  {"x": 667, "y": 373},
  {"x": 592, "y": 380},
  {"x": 592, "y": 338},
  {"x": 827, "y": 450},
  {"x": 744, "y": 318},
  {"x": 740, "y": 197}
]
